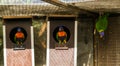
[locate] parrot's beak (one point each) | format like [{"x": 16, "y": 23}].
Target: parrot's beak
[{"x": 101, "y": 36}]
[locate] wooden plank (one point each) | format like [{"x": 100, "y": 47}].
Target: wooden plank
[
  {"x": 62, "y": 57},
  {"x": 16, "y": 17},
  {"x": 54, "y": 15},
  {"x": 19, "y": 57},
  {"x": 72, "y": 8},
  {"x": 100, "y": 6}
]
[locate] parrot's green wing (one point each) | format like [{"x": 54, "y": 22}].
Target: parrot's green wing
[
  {"x": 15, "y": 39},
  {"x": 66, "y": 35},
  {"x": 102, "y": 23},
  {"x": 57, "y": 35}
]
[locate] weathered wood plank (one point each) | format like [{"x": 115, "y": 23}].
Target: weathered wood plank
[
  {"x": 19, "y": 57},
  {"x": 62, "y": 57}
]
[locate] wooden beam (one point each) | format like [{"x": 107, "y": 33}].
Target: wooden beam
[
  {"x": 55, "y": 15},
  {"x": 71, "y": 7},
  {"x": 100, "y": 6},
  {"x": 16, "y": 17}
]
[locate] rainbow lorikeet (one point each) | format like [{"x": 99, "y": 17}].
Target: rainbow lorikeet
[
  {"x": 101, "y": 24},
  {"x": 61, "y": 36},
  {"x": 19, "y": 36}
]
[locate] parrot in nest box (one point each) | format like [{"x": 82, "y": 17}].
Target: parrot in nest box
[
  {"x": 61, "y": 35},
  {"x": 101, "y": 24}
]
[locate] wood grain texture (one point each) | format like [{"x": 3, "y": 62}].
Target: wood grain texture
[
  {"x": 19, "y": 57},
  {"x": 62, "y": 57}
]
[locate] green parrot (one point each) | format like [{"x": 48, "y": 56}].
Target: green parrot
[{"x": 101, "y": 24}]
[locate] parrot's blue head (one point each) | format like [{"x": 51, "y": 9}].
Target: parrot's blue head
[
  {"x": 61, "y": 28},
  {"x": 18, "y": 29},
  {"x": 101, "y": 34}
]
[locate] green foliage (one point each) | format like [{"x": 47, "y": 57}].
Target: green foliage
[
  {"x": 40, "y": 51},
  {"x": 37, "y": 24}
]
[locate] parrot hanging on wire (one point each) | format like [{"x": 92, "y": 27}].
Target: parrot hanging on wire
[{"x": 101, "y": 24}]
